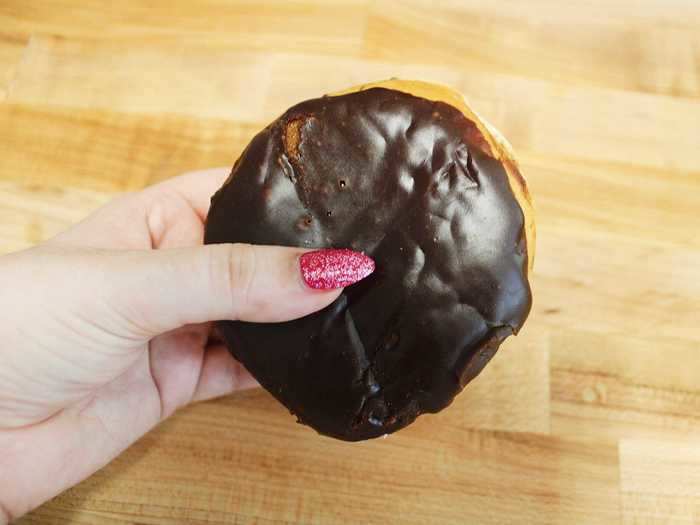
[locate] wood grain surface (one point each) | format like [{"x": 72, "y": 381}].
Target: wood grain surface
[{"x": 591, "y": 415}]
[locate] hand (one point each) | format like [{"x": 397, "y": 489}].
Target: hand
[{"x": 105, "y": 331}]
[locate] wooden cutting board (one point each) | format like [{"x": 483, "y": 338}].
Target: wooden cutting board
[{"x": 591, "y": 415}]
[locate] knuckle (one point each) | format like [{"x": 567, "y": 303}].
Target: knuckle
[{"x": 242, "y": 266}]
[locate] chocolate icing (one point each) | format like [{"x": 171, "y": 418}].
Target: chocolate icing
[{"x": 411, "y": 183}]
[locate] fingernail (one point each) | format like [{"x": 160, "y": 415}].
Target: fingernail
[{"x": 332, "y": 268}]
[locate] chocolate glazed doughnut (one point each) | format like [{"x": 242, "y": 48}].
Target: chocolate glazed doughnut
[{"x": 407, "y": 173}]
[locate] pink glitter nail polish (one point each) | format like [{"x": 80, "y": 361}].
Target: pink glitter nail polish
[{"x": 334, "y": 268}]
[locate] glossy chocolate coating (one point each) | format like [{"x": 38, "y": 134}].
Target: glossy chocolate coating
[{"x": 409, "y": 182}]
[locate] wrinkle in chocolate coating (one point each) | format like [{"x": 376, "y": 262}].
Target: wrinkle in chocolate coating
[{"x": 411, "y": 183}]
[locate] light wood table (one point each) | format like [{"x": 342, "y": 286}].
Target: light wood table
[{"x": 592, "y": 415}]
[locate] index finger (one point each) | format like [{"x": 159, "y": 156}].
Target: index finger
[{"x": 196, "y": 187}]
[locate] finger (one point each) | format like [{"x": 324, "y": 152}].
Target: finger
[
  {"x": 175, "y": 362},
  {"x": 221, "y": 375},
  {"x": 160, "y": 290},
  {"x": 197, "y": 187},
  {"x": 176, "y": 209},
  {"x": 152, "y": 214}
]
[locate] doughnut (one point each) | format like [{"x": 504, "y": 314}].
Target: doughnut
[{"x": 405, "y": 172}]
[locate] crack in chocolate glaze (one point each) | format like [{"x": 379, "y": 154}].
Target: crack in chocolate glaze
[{"x": 408, "y": 181}]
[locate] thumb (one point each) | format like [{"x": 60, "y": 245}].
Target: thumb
[{"x": 161, "y": 290}]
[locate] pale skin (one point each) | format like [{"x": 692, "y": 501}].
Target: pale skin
[{"x": 106, "y": 331}]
